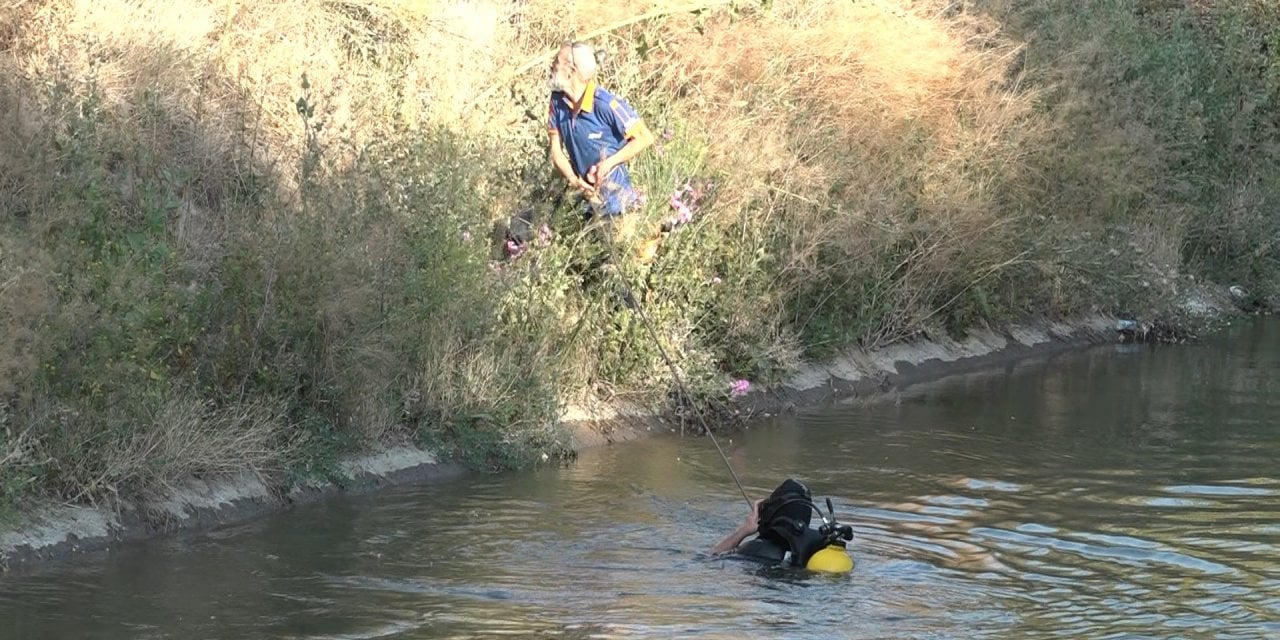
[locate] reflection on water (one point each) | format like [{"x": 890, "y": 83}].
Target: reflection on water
[{"x": 1099, "y": 494}]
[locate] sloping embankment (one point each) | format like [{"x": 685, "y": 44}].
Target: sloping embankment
[{"x": 58, "y": 531}]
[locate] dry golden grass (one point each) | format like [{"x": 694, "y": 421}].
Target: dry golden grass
[
  {"x": 184, "y": 438},
  {"x": 212, "y": 84},
  {"x": 852, "y": 127},
  {"x": 222, "y": 71}
]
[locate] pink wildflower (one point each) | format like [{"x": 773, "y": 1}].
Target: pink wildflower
[
  {"x": 544, "y": 235},
  {"x": 739, "y": 388},
  {"x": 668, "y": 134},
  {"x": 466, "y": 236},
  {"x": 514, "y": 249},
  {"x": 683, "y": 212}
]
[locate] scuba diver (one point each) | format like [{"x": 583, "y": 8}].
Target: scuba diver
[{"x": 781, "y": 525}]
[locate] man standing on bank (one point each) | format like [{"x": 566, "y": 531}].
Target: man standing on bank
[{"x": 593, "y": 134}]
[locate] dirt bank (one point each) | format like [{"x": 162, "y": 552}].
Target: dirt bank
[
  {"x": 863, "y": 373},
  {"x": 60, "y": 531},
  {"x": 56, "y": 531}
]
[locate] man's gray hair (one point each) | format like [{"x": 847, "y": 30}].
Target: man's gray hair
[{"x": 584, "y": 59}]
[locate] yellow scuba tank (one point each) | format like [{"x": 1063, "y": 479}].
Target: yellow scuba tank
[
  {"x": 785, "y": 517},
  {"x": 831, "y": 559}
]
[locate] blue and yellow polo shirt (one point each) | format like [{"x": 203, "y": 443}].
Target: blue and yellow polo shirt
[{"x": 593, "y": 131}]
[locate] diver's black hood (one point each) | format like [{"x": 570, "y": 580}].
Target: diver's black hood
[{"x": 785, "y": 514}]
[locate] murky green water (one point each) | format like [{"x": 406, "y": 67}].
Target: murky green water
[{"x": 1114, "y": 493}]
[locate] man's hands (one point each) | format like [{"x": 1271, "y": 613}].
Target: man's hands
[
  {"x": 596, "y": 174},
  {"x": 592, "y": 184},
  {"x": 561, "y": 161}
]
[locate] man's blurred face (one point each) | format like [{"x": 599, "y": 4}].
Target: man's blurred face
[{"x": 561, "y": 78}]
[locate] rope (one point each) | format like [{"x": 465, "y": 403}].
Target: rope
[{"x": 633, "y": 304}]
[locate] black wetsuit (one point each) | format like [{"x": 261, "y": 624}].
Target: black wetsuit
[
  {"x": 772, "y": 551},
  {"x": 784, "y": 527}
]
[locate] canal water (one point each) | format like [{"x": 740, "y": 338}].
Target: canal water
[{"x": 1119, "y": 492}]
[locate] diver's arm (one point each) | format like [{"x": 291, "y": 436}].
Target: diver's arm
[
  {"x": 732, "y": 541},
  {"x": 744, "y": 530}
]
